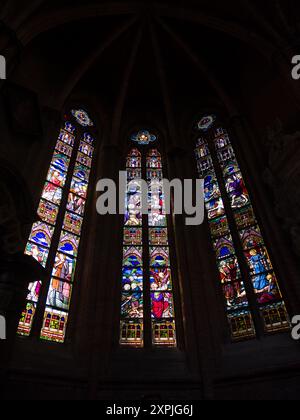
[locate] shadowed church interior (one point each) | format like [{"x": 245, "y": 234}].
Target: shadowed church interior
[{"x": 146, "y": 307}]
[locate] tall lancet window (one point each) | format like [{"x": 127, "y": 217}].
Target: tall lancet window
[
  {"x": 250, "y": 287},
  {"x": 55, "y": 238},
  {"x": 147, "y": 306}
]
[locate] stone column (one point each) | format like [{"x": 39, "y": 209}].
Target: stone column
[
  {"x": 107, "y": 257},
  {"x": 203, "y": 317},
  {"x": 255, "y": 166}
]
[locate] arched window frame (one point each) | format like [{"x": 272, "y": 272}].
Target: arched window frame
[
  {"x": 81, "y": 163},
  {"x": 261, "y": 320}
]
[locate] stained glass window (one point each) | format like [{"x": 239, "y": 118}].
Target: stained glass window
[
  {"x": 54, "y": 240},
  {"x": 215, "y": 155},
  {"x": 146, "y": 256},
  {"x": 132, "y": 306}
]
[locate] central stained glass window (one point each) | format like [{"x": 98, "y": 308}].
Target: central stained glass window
[{"x": 147, "y": 286}]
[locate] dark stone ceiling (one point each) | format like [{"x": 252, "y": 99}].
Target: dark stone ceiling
[{"x": 74, "y": 46}]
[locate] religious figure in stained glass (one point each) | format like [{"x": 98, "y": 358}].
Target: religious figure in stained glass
[
  {"x": 75, "y": 151},
  {"x": 261, "y": 274},
  {"x": 134, "y": 282}
]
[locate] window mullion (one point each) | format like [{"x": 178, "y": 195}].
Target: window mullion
[{"x": 146, "y": 253}]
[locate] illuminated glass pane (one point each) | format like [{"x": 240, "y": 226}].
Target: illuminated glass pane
[
  {"x": 202, "y": 150},
  {"x": 230, "y": 169},
  {"x": 60, "y": 162},
  {"x": 48, "y": 212},
  {"x": 82, "y": 172},
  {"x": 134, "y": 159},
  {"x": 241, "y": 325},
  {"x": 68, "y": 244},
  {"x": 79, "y": 187},
  {"x": 67, "y": 138},
  {"x": 266, "y": 288},
  {"x": 64, "y": 267},
  {"x": 132, "y": 304},
  {"x": 229, "y": 270},
  {"x": 237, "y": 191},
  {"x": 156, "y": 219},
  {"x": 219, "y": 227},
  {"x": 215, "y": 208},
  {"x": 88, "y": 138},
  {"x": 133, "y": 257},
  {"x": 76, "y": 204},
  {"x": 164, "y": 333},
  {"x": 133, "y": 214},
  {"x": 34, "y": 290},
  {"x": 39, "y": 253},
  {"x": 206, "y": 122},
  {"x": 162, "y": 306},
  {"x": 258, "y": 260},
  {"x": 226, "y": 154},
  {"x": 82, "y": 118},
  {"x": 204, "y": 166},
  {"x": 154, "y": 174},
  {"x": 134, "y": 174},
  {"x": 211, "y": 187},
  {"x": 73, "y": 223},
  {"x": 41, "y": 234},
  {"x": 52, "y": 193},
  {"x": 133, "y": 236},
  {"x": 157, "y": 216},
  {"x": 159, "y": 257},
  {"x": 132, "y": 279},
  {"x": 156, "y": 188},
  {"x": 222, "y": 141},
  {"x": 70, "y": 127},
  {"x": 64, "y": 148},
  {"x": 224, "y": 247},
  {"x": 154, "y": 162},
  {"x": 84, "y": 160},
  {"x": 158, "y": 236},
  {"x": 251, "y": 238},
  {"x": 27, "y": 318},
  {"x": 56, "y": 177},
  {"x": 54, "y": 326},
  {"x": 143, "y": 137},
  {"x": 235, "y": 295},
  {"x": 59, "y": 295},
  {"x": 160, "y": 279},
  {"x": 275, "y": 318},
  {"x": 156, "y": 198},
  {"x": 134, "y": 187},
  {"x": 131, "y": 333},
  {"x": 244, "y": 217},
  {"x": 86, "y": 149}
]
